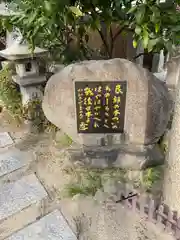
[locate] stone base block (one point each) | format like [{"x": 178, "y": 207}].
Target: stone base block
[
  {"x": 30, "y": 93},
  {"x": 29, "y": 81},
  {"x": 124, "y": 157}
]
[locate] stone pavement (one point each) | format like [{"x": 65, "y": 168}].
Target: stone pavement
[
  {"x": 21, "y": 199},
  {"x": 29, "y": 211}
]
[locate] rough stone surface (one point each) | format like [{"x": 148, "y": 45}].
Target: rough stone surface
[
  {"x": 147, "y": 100},
  {"x": 119, "y": 156},
  {"x": 173, "y": 72},
  {"x": 108, "y": 220},
  {"x": 51, "y": 227},
  {"x": 29, "y": 93},
  {"x": 161, "y": 75},
  {"x": 17, "y": 196},
  {"x": 122, "y": 224},
  {"x": 172, "y": 169},
  {"x": 29, "y": 81},
  {"x": 5, "y": 139},
  {"x": 12, "y": 160},
  {"x": 20, "y": 220}
]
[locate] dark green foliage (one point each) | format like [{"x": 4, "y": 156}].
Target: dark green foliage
[{"x": 63, "y": 28}]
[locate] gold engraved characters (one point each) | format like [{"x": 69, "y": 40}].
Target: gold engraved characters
[
  {"x": 100, "y": 107},
  {"x": 116, "y": 106}
]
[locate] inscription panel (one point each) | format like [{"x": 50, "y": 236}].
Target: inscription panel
[{"x": 100, "y": 106}]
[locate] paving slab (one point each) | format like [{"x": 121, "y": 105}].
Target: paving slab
[
  {"x": 51, "y": 227},
  {"x": 5, "y": 139},
  {"x": 19, "y": 195},
  {"x": 13, "y": 159}
]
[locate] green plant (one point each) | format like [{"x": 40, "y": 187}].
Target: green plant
[
  {"x": 10, "y": 97},
  {"x": 87, "y": 182},
  {"x": 151, "y": 176},
  {"x": 34, "y": 113},
  {"x": 10, "y": 94},
  {"x": 64, "y": 140},
  {"x": 64, "y": 26}
]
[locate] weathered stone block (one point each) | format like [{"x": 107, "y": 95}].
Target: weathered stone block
[
  {"x": 53, "y": 226},
  {"x": 147, "y": 99},
  {"x": 20, "y": 204},
  {"x": 5, "y": 139},
  {"x": 12, "y": 160},
  {"x": 16, "y": 196},
  {"x": 147, "y": 113}
]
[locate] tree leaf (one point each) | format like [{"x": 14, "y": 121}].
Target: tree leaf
[
  {"x": 132, "y": 10},
  {"x": 32, "y": 18},
  {"x": 176, "y": 28},
  {"x": 157, "y": 27},
  {"x": 145, "y": 38},
  {"x": 152, "y": 43},
  {"x": 134, "y": 43},
  {"x": 138, "y": 30},
  {"x": 76, "y": 11},
  {"x": 140, "y": 13},
  {"x": 48, "y": 6}
]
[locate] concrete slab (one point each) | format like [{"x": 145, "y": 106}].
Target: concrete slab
[
  {"x": 51, "y": 227},
  {"x": 13, "y": 159},
  {"x": 19, "y": 195},
  {"x": 5, "y": 139}
]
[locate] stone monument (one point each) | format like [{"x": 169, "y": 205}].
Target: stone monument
[{"x": 114, "y": 110}]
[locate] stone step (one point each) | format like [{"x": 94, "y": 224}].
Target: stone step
[
  {"x": 5, "y": 140},
  {"x": 12, "y": 160},
  {"x": 20, "y": 204},
  {"x": 53, "y": 226}
]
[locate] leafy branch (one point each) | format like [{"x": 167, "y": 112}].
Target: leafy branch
[{"x": 57, "y": 25}]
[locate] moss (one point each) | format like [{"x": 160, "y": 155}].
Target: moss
[{"x": 34, "y": 113}]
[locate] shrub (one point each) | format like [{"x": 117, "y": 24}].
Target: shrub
[{"x": 10, "y": 95}]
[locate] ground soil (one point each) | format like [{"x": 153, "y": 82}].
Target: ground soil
[{"x": 54, "y": 170}]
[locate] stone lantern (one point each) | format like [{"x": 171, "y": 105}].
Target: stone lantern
[{"x": 28, "y": 74}]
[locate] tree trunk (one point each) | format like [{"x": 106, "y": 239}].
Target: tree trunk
[{"x": 171, "y": 190}]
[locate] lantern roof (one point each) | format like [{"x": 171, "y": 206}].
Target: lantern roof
[{"x": 18, "y": 51}]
